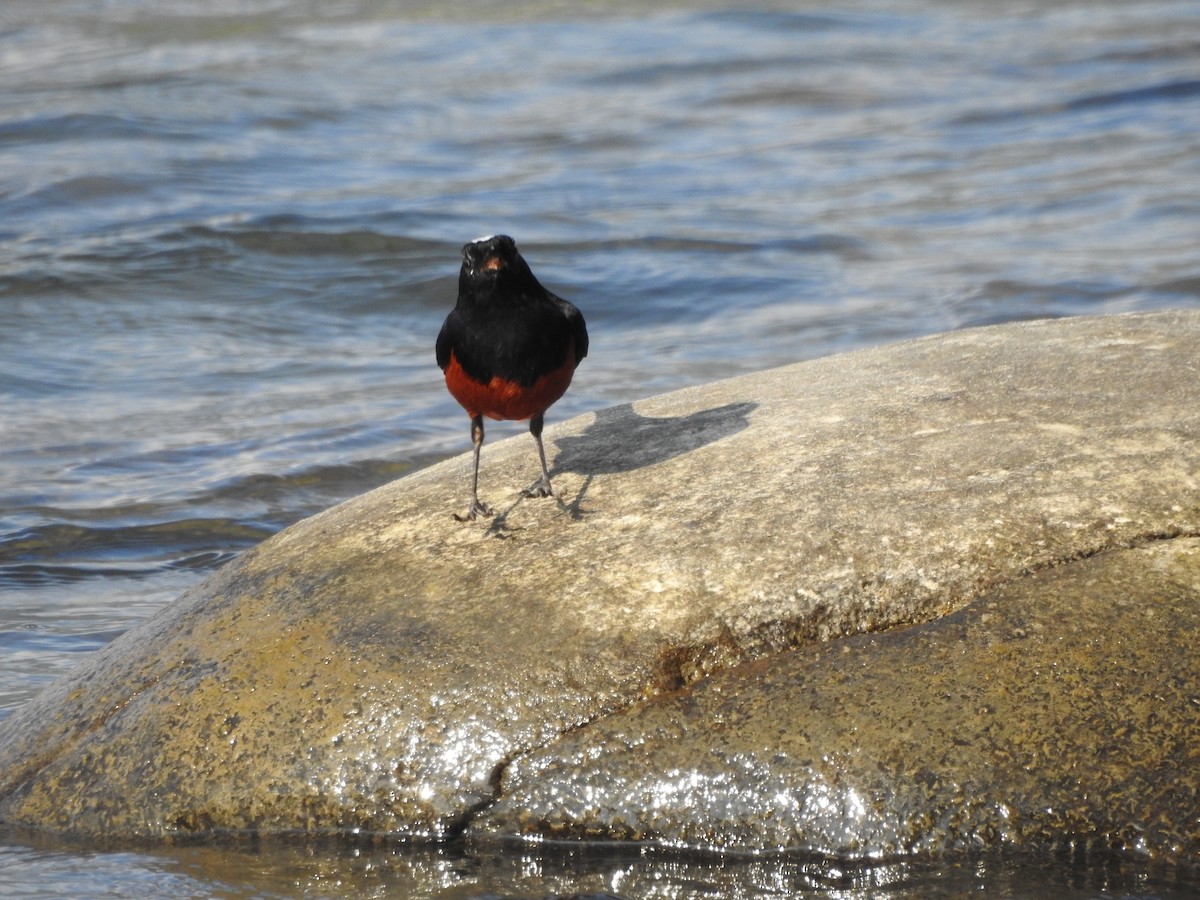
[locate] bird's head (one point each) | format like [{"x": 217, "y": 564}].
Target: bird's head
[{"x": 493, "y": 261}]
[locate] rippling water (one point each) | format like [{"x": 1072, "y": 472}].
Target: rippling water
[{"x": 229, "y": 231}]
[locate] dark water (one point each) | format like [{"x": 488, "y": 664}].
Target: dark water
[{"x": 229, "y": 231}]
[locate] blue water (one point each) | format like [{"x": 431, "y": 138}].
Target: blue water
[{"x": 229, "y": 231}]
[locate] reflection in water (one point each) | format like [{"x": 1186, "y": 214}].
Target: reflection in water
[{"x": 456, "y": 871}]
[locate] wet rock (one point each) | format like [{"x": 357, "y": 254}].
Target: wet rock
[
  {"x": 380, "y": 666},
  {"x": 1061, "y": 712}
]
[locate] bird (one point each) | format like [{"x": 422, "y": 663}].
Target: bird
[{"x": 508, "y": 349}]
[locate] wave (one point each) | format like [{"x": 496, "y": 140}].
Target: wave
[
  {"x": 1167, "y": 92},
  {"x": 141, "y": 540},
  {"x": 57, "y": 553}
]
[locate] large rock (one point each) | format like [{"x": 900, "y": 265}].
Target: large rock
[
  {"x": 1062, "y": 710},
  {"x": 381, "y": 666}
]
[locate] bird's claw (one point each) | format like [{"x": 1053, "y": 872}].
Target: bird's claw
[
  {"x": 477, "y": 508},
  {"x": 541, "y": 488}
]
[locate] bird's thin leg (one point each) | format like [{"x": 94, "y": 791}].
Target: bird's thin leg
[
  {"x": 476, "y": 508},
  {"x": 541, "y": 487}
]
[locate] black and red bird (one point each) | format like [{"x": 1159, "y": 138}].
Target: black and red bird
[{"x": 508, "y": 348}]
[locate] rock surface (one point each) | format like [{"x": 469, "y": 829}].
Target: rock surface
[
  {"x": 1040, "y": 715},
  {"x": 385, "y": 668}
]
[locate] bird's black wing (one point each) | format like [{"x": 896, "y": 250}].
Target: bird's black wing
[
  {"x": 445, "y": 341},
  {"x": 575, "y": 321}
]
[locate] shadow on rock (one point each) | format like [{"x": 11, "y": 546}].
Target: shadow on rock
[{"x": 621, "y": 440}]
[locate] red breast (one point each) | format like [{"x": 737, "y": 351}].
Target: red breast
[{"x": 500, "y": 398}]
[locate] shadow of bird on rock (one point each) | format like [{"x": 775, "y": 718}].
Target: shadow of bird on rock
[{"x": 622, "y": 440}]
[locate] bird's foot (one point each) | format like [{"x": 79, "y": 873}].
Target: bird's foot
[
  {"x": 540, "y": 488},
  {"x": 477, "y": 508}
]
